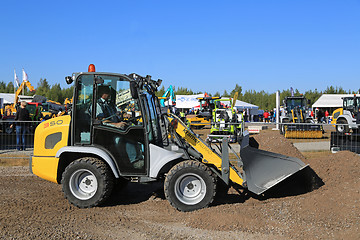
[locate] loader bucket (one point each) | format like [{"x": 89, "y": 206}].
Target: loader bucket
[{"x": 264, "y": 169}]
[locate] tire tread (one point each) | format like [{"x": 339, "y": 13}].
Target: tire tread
[
  {"x": 183, "y": 165},
  {"x": 104, "y": 171}
]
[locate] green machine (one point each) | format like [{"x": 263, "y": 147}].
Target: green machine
[{"x": 226, "y": 122}]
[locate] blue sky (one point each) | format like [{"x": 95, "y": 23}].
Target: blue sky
[{"x": 202, "y": 45}]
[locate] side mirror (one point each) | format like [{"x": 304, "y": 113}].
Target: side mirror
[
  {"x": 134, "y": 90},
  {"x": 69, "y": 79}
]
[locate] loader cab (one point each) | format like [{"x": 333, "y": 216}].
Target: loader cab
[
  {"x": 351, "y": 103},
  {"x": 111, "y": 115},
  {"x": 295, "y": 103},
  {"x": 207, "y": 105}
]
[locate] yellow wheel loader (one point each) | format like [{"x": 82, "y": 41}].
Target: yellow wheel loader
[
  {"x": 204, "y": 114},
  {"x": 95, "y": 148}
]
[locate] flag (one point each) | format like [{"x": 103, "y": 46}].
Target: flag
[
  {"x": 16, "y": 79},
  {"x": 292, "y": 91},
  {"x": 25, "y": 76}
]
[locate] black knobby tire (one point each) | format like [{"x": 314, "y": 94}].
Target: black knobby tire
[
  {"x": 342, "y": 128},
  {"x": 87, "y": 182},
  {"x": 190, "y": 185}
]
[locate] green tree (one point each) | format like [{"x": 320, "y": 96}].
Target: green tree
[
  {"x": 9, "y": 87},
  {"x": 43, "y": 87},
  {"x": 183, "y": 91},
  {"x": 55, "y": 93},
  {"x": 160, "y": 92},
  {"x": 225, "y": 94},
  {"x": 67, "y": 93},
  {"x": 2, "y": 87}
]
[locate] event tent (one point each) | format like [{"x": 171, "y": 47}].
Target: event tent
[
  {"x": 331, "y": 100},
  {"x": 253, "y": 109},
  {"x": 6, "y": 98},
  {"x": 244, "y": 105}
]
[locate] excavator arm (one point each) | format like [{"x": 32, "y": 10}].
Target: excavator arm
[{"x": 18, "y": 91}]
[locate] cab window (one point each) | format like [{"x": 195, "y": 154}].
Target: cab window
[{"x": 115, "y": 106}]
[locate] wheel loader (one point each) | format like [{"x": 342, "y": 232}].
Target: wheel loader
[
  {"x": 92, "y": 151},
  {"x": 296, "y": 121},
  {"x": 226, "y": 122},
  {"x": 347, "y": 118},
  {"x": 204, "y": 115}
]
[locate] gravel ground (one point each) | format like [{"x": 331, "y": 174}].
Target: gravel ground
[{"x": 32, "y": 208}]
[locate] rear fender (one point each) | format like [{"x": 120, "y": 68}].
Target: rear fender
[{"x": 92, "y": 151}]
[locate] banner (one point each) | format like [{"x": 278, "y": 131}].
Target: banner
[
  {"x": 25, "y": 76},
  {"x": 187, "y": 101}
]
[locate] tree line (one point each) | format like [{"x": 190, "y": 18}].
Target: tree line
[
  {"x": 43, "y": 88},
  {"x": 262, "y": 99}
]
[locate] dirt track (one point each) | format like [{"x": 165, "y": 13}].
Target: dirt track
[{"x": 32, "y": 208}]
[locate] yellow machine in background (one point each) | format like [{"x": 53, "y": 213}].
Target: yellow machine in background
[
  {"x": 204, "y": 114},
  {"x": 296, "y": 120},
  {"x": 12, "y": 107},
  {"x": 337, "y": 112}
]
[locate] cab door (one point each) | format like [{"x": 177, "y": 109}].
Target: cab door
[{"x": 118, "y": 126}]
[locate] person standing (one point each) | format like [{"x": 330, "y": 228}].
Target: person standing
[
  {"x": 21, "y": 127},
  {"x": 326, "y": 116},
  {"x": 266, "y": 116}
]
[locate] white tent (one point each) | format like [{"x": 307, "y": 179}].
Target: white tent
[
  {"x": 187, "y": 101},
  {"x": 331, "y": 100},
  {"x": 244, "y": 105},
  {"x": 240, "y": 105},
  {"x": 8, "y": 98}
]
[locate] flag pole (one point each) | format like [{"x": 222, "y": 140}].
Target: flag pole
[{"x": 14, "y": 81}]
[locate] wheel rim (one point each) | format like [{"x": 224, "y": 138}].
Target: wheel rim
[
  {"x": 341, "y": 128},
  {"x": 190, "y": 189},
  {"x": 83, "y": 184}
]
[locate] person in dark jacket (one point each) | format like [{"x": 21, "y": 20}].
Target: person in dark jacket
[{"x": 21, "y": 128}]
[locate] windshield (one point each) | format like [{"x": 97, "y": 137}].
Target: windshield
[
  {"x": 115, "y": 106},
  {"x": 224, "y": 103},
  {"x": 31, "y": 108},
  {"x": 295, "y": 103},
  {"x": 349, "y": 102},
  {"x": 206, "y": 105}
]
